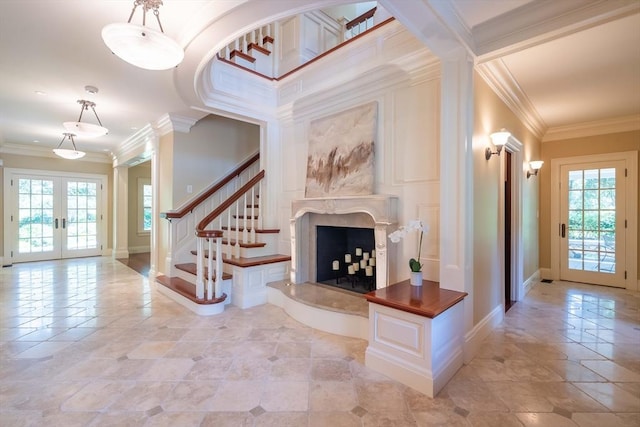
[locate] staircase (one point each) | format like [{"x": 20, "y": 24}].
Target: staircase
[{"x": 219, "y": 251}]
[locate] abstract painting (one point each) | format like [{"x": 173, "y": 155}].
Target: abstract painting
[{"x": 340, "y": 161}]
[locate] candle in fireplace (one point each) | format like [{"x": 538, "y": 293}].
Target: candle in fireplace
[
  {"x": 350, "y": 270},
  {"x": 373, "y": 253},
  {"x": 368, "y": 271},
  {"x": 372, "y": 262},
  {"x": 358, "y": 251},
  {"x": 365, "y": 256},
  {"x": 356, "y": 266},
  {"x": 363, "y": 263},
  {"x": 347, "y": 258},
  {"x": 336, "y": 265}
]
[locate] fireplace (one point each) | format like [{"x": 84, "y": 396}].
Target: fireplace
[
  {"x": 346, "y": 257},
  {"x": 375, "y": 213}
]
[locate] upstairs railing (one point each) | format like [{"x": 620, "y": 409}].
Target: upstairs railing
[
  {"x": 184, "y": 220},
  {"x": 209, "y": 281},
  {"x": 360, "y": 24}
]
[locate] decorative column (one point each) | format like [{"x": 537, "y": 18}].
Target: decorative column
[{"x": 120, "y": 212}]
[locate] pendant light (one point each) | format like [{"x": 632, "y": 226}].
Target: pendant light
[
  {"x": 86, "y": 130},
  {"x": 140, "y": 45},
  {"x": 67, "y": 153}
]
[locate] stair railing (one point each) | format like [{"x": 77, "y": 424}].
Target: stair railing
[
  {"x": 360, "y": 24},
  {"x": 184, "y": 219},
  {"x": 209, "y": 281}
]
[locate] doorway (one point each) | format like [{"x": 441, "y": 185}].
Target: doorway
[
  {"x": 50, "y": 215},
  {"x": 595, "y": 209}
]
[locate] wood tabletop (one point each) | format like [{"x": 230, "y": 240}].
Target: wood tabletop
[{"x": 427, "y": 300}]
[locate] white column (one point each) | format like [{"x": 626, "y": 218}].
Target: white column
[
  {"x": 120, "y": 212},
  {"x": 456, "y": 178}
]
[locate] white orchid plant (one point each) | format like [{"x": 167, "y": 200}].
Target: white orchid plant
[{"x": 414, "y": 225}]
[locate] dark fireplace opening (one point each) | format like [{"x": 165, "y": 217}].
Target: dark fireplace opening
[{"x": 345, "y": 258}]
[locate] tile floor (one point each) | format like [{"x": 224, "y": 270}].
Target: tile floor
[{"x": 90, "y": 342}]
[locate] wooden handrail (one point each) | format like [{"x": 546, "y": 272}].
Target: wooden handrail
[
  {"x": 311, "y": 61},
  {"x": 201, "y": 232},
  {"x": 179, "y": 213},
  {"x": 362, "y": 18}
]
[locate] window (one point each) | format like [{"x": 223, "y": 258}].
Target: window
[{"x": 144, "y": 205}]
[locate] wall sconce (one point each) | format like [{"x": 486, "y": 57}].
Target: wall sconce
[
  {"x": 534, "y": 167},
  {"x": 499, "y": 139}
]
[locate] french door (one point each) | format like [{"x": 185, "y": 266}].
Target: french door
[
  {"x": 592, "y": 229},
  {"x": 53, "y": 217}
]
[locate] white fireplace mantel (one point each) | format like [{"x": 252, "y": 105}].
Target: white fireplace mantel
[{"x": 383, "y": 209}]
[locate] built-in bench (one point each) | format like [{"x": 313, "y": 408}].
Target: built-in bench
[{"x": 416, "y": 334}]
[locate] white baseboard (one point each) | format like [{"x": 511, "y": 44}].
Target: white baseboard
[
  {"x": 528, "y": 284},
  {"x": 123, "y": 253},
  {"x": 473, "y": 339}
]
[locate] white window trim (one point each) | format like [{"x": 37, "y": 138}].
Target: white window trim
[{"x": 140, "y": 213}]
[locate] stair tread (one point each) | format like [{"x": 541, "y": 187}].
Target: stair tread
[
  {"x": 259, "y": 48},
  {"x": 253, "y": 261},
  {"x": 242, "y": 55},
  {"x": 244, "y": 245},
  {"x": 191, "y": 267},
  {"x": 186, "y": 289}
]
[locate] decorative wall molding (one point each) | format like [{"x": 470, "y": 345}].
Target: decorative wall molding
[
  {"x": 40, "y": 151},
  {"x": 499, "y": 78},
  {"x": 598, "y": 127}
]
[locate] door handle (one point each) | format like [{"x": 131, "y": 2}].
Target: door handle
[
  {"x": 64, "y": 223},
  {"x": 56, "y": 222},
  {"x": 563, "y": 232}
]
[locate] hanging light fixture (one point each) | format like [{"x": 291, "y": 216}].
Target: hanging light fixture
[
  {"x": 67, "y": 153},
  {"x": 86, "y": 130},
  {"x": 140, "y": 45}
]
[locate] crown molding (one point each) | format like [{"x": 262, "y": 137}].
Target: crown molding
[
  {"x": 39, "y": 151},
  {"x": 174, "y": 123},
  {"x": 598, "y": 127},
  {"x": 500, "y": 79},
  {"x": 541, "y": 21},
  {"x": 448, "y": 13}
]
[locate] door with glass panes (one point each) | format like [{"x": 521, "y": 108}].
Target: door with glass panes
[
  {"x": 592, "y": 223},
  {"x": 55, "y": 217}
]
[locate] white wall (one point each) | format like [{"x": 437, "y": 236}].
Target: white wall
[{"x": 214, "y": 147}]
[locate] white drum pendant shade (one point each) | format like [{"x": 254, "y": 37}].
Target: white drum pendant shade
[{"x": 142, "y": 46}]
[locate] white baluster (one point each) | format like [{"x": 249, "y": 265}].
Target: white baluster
[
  {"x": 210, "y": 269},
  {"x": 229, "y": 253},
  {"x": 199, "y": 268},
  {"x": 245, "y": 231},
  {"x": 219, "y": 273},
  {"x": 252, "y": 237},
  {"x": 260, "y": 222},
  {"x": 237, "y": 247}
]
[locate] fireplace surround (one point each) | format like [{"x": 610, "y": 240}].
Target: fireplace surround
[{"x": 376, "y": 211}]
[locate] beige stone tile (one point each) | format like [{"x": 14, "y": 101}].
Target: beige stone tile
[
  {"x": 520, "y": 396},
  {"x": 330, "y": 370},
  {"x": 290, "y": 369},
  {"x": 293, "y": 349},
  {"x": 282, "y": 419},
  {"x": 209, "y": 369},
  {"x": 191, "y": 396},
  {"x": 285, "y": 396},
  {"x": 327, "y": 396},
  {"x": 334, "y": 419},
  {"x": 119, "y": 419},
  {"x": 606, "y": 419},
  {"x": 474, "y": 396},
  {"x": 248, "y": 369},
  {"x": 612, "y": 396},
  {"x": 572, "y": 371},
  {"x": 493, "y": 419},
  {"x": 390, "y": 418},
  {"x": 167, "y": 370},
  {"x": 43, "y": 349},
  {"x": 228, "y": 419},
  {"x": 143, "y": 396},
  {"x": 235, "y": 396},
  {"x": 370, "y": 392},
  {"x": 611, "y": 370},
  {"x": 174, "y": 419},
  {"x": 536, "y": 419},
  {"x": 151, "y": 350},
  {"x": 96, "y": 395},
  {"x": 568, "y": 397}
]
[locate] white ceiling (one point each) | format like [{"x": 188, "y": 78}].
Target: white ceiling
[{"x": 566, "y": 73}]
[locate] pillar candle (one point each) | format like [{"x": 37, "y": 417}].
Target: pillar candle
[
  {"x": 373, "y": 253},
  {"x": 363, "y": 263},
  {"x": 350, "y": 270},
  {"x": 356, "y": 266},
  {"x": 347, "y": 258},
  {"x": 336, "y": 265},
  {"x": 365, "y": 255},
  {"x": 372, "y": 261},
  {"x": 358, "y": 251},
  {"x": 369, "y": 271}
]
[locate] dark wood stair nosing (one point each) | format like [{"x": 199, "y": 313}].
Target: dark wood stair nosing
[
  {"x": 259, "y": 48},
  {"x": 253, "y": 261},
  {"x": 242, "y": 55},
  {"x": 187, "y": 290},
  {"x": 257, "y": 230},
  {"x": 191, "y": 267}
]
